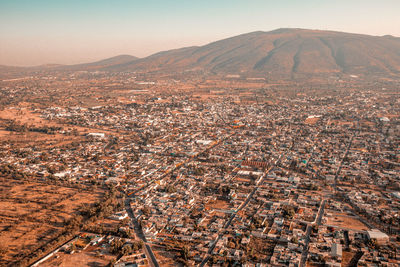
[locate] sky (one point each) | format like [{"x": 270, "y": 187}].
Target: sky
[{"x": 35, "y": 32}]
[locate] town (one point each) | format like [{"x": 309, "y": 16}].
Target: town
[{"x": 135, "y": 170}]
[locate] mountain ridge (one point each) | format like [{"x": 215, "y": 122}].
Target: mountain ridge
[
  {"x": 283, "y": 53},
  {"x": 287, "y": 53}
]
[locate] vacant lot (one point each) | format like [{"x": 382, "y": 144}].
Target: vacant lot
[
  {"x": 92, "y": 256},
  {"x": 345, "y": 221},
  {"x": 32, "y": 214},
  {"x": 312, "y": 120},
  {"x": 25, "y": 116},
  {"x": 217, "y": 204},
  {"x": 165, "y": 258}
]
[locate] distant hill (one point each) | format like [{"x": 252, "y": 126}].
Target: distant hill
[
  {"x": 282, "y": 53},
  {"x": 13, "y": 71},
  {"x": 99, "y": 65}
]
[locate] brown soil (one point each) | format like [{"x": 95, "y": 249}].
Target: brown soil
[{"x": 32, "y": 213}]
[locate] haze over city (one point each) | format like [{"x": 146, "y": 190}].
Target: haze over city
[{"x": 70, "y": 32}]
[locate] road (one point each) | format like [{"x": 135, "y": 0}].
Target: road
[
  {"x": 344, "y": 156},
  {"x": 306, "y": 243},
  {"x": 320, "y": 213},
  {"x": 316, "y": 222},
  {"x": 38, "y": 262},
  {"x": 242, "y": 206},
  {"x": 138, "y": 230},
  {"x": 177, "y": 166}
]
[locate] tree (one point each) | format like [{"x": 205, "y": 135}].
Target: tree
[
  {"x": 170, "y": 189},
  {"x": 213, "y": 259},
  {"x": 288, "y": 211},
  {"x": 116, "y": 246},
  {"x": 373, "y": 243},
  {"x": 74, "y": 223},
  {"x": 3, "y": 251},
  {"x": 185, "y": 253},
  {"x": 137, "y": 245},
  {"x": 146, "y": 211},
  {"x": 126, "y": 250},
  {"x": 112, "y": 262}
]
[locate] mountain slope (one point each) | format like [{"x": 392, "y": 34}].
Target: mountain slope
[
  {"x": 282, "y": 53},
  {"x": 101, "y": 64}
]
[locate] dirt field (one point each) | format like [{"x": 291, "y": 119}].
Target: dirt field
[
  {"x": 165, "y": 258},
  {"x": 217, "y": 204},
  {"x": 346, "y": 257},
  {"x": 23, "y": 115},
  {"x": 312, "y": 120},
  {"x": 88, "y": 257},
  {"x": 31, "y": 214},
  {"x": 345, "y": 221}
]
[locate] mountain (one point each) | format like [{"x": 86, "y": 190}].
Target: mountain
[
  {"x": 99, "y": 65},
  {"x": 283, "y": 53},
  {"x": 278, "y": 54}
]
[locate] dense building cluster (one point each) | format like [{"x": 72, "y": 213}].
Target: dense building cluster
[{"x": 267, "y": 178}]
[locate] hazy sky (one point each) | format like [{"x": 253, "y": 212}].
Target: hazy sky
[{"x": 36, "y": 32}]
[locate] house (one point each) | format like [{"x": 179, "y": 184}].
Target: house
[
  {"x": 336, "y": 250},
  {"x": 97, "y": 135},
  {"x": 119, "y": 215},
  {"x": 379, "y": 236}
]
